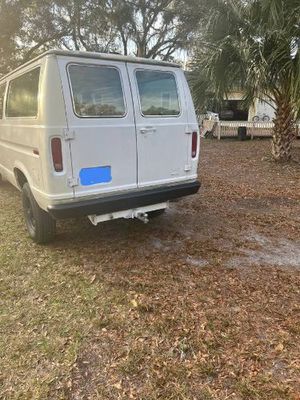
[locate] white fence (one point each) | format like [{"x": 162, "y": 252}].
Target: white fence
[
  {"x": 221, "y": 129},
  {"x": 230, "y": 128}
]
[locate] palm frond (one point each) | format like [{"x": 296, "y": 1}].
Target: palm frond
[{"x": 254, "y": 45}]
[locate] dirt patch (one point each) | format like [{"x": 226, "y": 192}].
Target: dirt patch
[{"x": 271, "y": 251}]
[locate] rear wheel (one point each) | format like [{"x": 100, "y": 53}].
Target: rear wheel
[{"x": 40, "y": 225}]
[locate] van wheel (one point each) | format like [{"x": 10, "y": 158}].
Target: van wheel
[
  {"x": 156, "y": 213},
  {"x": 40, "y": 225}
]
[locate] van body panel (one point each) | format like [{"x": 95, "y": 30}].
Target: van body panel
[
  {"x": 193, "y": 126},
  {"x": 53, "y": 115},
  {"x": 163, "y": 141},
  {"x": 25, "y": 142},
  {"x": 101, "y": 142},
  {"x": 19, "y": 138}
]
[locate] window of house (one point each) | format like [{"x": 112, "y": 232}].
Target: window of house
[
  {"x": 234, "y": 110},
  {"x": 97, "y": 91},
  {"x": 22, "y": 99},
  {"x": 158, "y": 93}
]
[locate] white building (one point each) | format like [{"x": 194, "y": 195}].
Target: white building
[{"x": 234, "y": 109}]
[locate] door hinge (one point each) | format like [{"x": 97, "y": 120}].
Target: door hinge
[
  {"x": 72, "y": 182},
  {"x": 187, "y": 168},
  {"x": 69, "y": 134}
]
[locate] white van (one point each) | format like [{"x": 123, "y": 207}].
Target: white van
[{"x": 97, "y": 135}]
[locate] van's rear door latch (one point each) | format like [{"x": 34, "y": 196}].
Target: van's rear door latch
[{"x": 69, "y": 134}]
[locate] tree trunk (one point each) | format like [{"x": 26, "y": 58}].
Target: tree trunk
[{"x": 284, "y": 131}]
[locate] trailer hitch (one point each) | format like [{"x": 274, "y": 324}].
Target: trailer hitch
[{"x": 142, "y": 216}]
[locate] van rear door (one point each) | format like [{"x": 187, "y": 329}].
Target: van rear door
[
  {"x": 101, "y": 125},
  {"x": 164, "y": 136}
]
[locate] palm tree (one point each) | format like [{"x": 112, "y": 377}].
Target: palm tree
[{"x": 254, "y": 45}]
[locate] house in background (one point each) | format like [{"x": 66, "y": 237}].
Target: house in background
[
  {"x": 232, "y": 113},
  {"x": 233, "y": 109}
]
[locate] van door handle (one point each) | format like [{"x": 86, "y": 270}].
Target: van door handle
[{"x": 148, "y": 129}]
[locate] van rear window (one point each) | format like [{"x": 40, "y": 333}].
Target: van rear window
[
  {"x": 158, "y": 93},
  {"x": 97, "y": 91},
  {"x": 22, "y": 98},
  {"x": 2, "y": 93}
]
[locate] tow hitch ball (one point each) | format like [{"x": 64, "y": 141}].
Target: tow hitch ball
[{"x": 142, "y": 216}]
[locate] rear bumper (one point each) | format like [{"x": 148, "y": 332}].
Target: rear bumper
[{"x": 125, "y": 201}]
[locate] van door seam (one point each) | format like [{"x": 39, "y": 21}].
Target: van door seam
[
  {"x": 187, "y": 112},
  {"x": 135, "y": 125}
]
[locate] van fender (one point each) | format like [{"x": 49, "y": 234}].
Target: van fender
[
  {"x": 37, "y": 193},
  {"x": 21, "y": 167}
]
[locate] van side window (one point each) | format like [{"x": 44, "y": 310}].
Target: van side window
[
  {"x": 2, "y": 93},
  {"x": 158, "y": 93},
  {"x": 97, "y": 91},
  {"x": 22, "y": 99}
]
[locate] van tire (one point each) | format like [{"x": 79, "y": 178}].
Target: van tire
[
  {"x": 40, "y": 225},
  {"x": 156, "y": 213}
]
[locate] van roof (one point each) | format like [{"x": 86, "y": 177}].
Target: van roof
[
  {"x": 94, "y": 55},
  {"x": 111, "y": 56}
]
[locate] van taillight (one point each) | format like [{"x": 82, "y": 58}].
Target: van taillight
[
  {"x": 57, "y": 154},
  {"x": 194, "y": 144}
]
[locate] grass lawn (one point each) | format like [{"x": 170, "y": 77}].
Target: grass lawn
[{"x": 202, "y": 303}]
